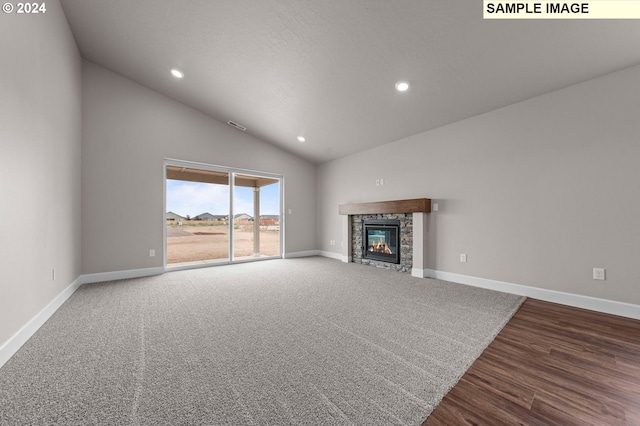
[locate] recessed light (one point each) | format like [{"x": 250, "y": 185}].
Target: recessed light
[
  {"x": 402, "y": 86},
  {"x": 177, "y": 73},
  {"x": 301, "y": 139}
]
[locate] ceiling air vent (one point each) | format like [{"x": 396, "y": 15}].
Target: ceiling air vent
[{"x": 236, "y": 125}]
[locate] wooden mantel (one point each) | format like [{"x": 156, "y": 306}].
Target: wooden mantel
[{"x": 416, "y": 205}]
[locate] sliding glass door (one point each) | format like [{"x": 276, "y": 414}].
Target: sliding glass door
[
  {"x": 197, "y": 216},
  {"x": 215, "y": 214},
  {"x": 256, "y": 216}
]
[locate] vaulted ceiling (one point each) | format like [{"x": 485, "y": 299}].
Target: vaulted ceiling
[{"x": 326, "y": 69}]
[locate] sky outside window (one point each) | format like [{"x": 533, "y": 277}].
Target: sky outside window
[{"x": 194, "y": 198}]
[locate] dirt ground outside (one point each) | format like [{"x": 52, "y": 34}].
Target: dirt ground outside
[{"x": 205, "y": 241}]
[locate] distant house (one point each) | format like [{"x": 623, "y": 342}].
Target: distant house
[
  {"x": 242, "y": 217},
  {"x": 211, "y": 217},
  {"x": 173, "y": 216}
]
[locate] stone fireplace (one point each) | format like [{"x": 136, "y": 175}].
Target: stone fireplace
[
  {"x": 360, "y": 246},
  {"x": 407, "y": 218}
]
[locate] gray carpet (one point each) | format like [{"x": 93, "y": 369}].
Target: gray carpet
[{"x": 309, "y": 341}]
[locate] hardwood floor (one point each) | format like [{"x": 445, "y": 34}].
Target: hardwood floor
[{"x": 551, "y": 365}]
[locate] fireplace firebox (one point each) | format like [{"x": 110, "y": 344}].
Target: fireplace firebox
[{"x": 381, "y": 240}]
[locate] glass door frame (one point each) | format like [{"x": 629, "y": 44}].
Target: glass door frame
[{"x": 232, "y": 172}]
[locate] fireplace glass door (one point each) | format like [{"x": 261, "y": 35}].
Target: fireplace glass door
[{"x": 381, "y": 240}]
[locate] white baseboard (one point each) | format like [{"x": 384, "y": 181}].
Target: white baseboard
[
  {"x": 332, "y": 255},
  {"x": 120, "y": 275},
  {"x": 15, "y": 342},
  {"x": 307, "y": 253},
  {"x": 576, "y": 300}
]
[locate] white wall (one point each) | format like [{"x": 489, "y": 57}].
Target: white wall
[
  {"x": 127, "y": 132},
  {"x": 40, "y": 111},
  {"x": 537, "y": 193}
]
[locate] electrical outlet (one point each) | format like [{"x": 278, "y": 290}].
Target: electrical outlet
[
  {"x": 463, "y": 257},
  {"x": 152, "y": 253},
  {"x": 434, "y": 207},
  {"x": 290, "y": 211},
  {"x": 599, "y": 274}
]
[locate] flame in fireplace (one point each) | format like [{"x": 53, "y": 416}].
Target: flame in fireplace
[{"x": 380, "y": 247}]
